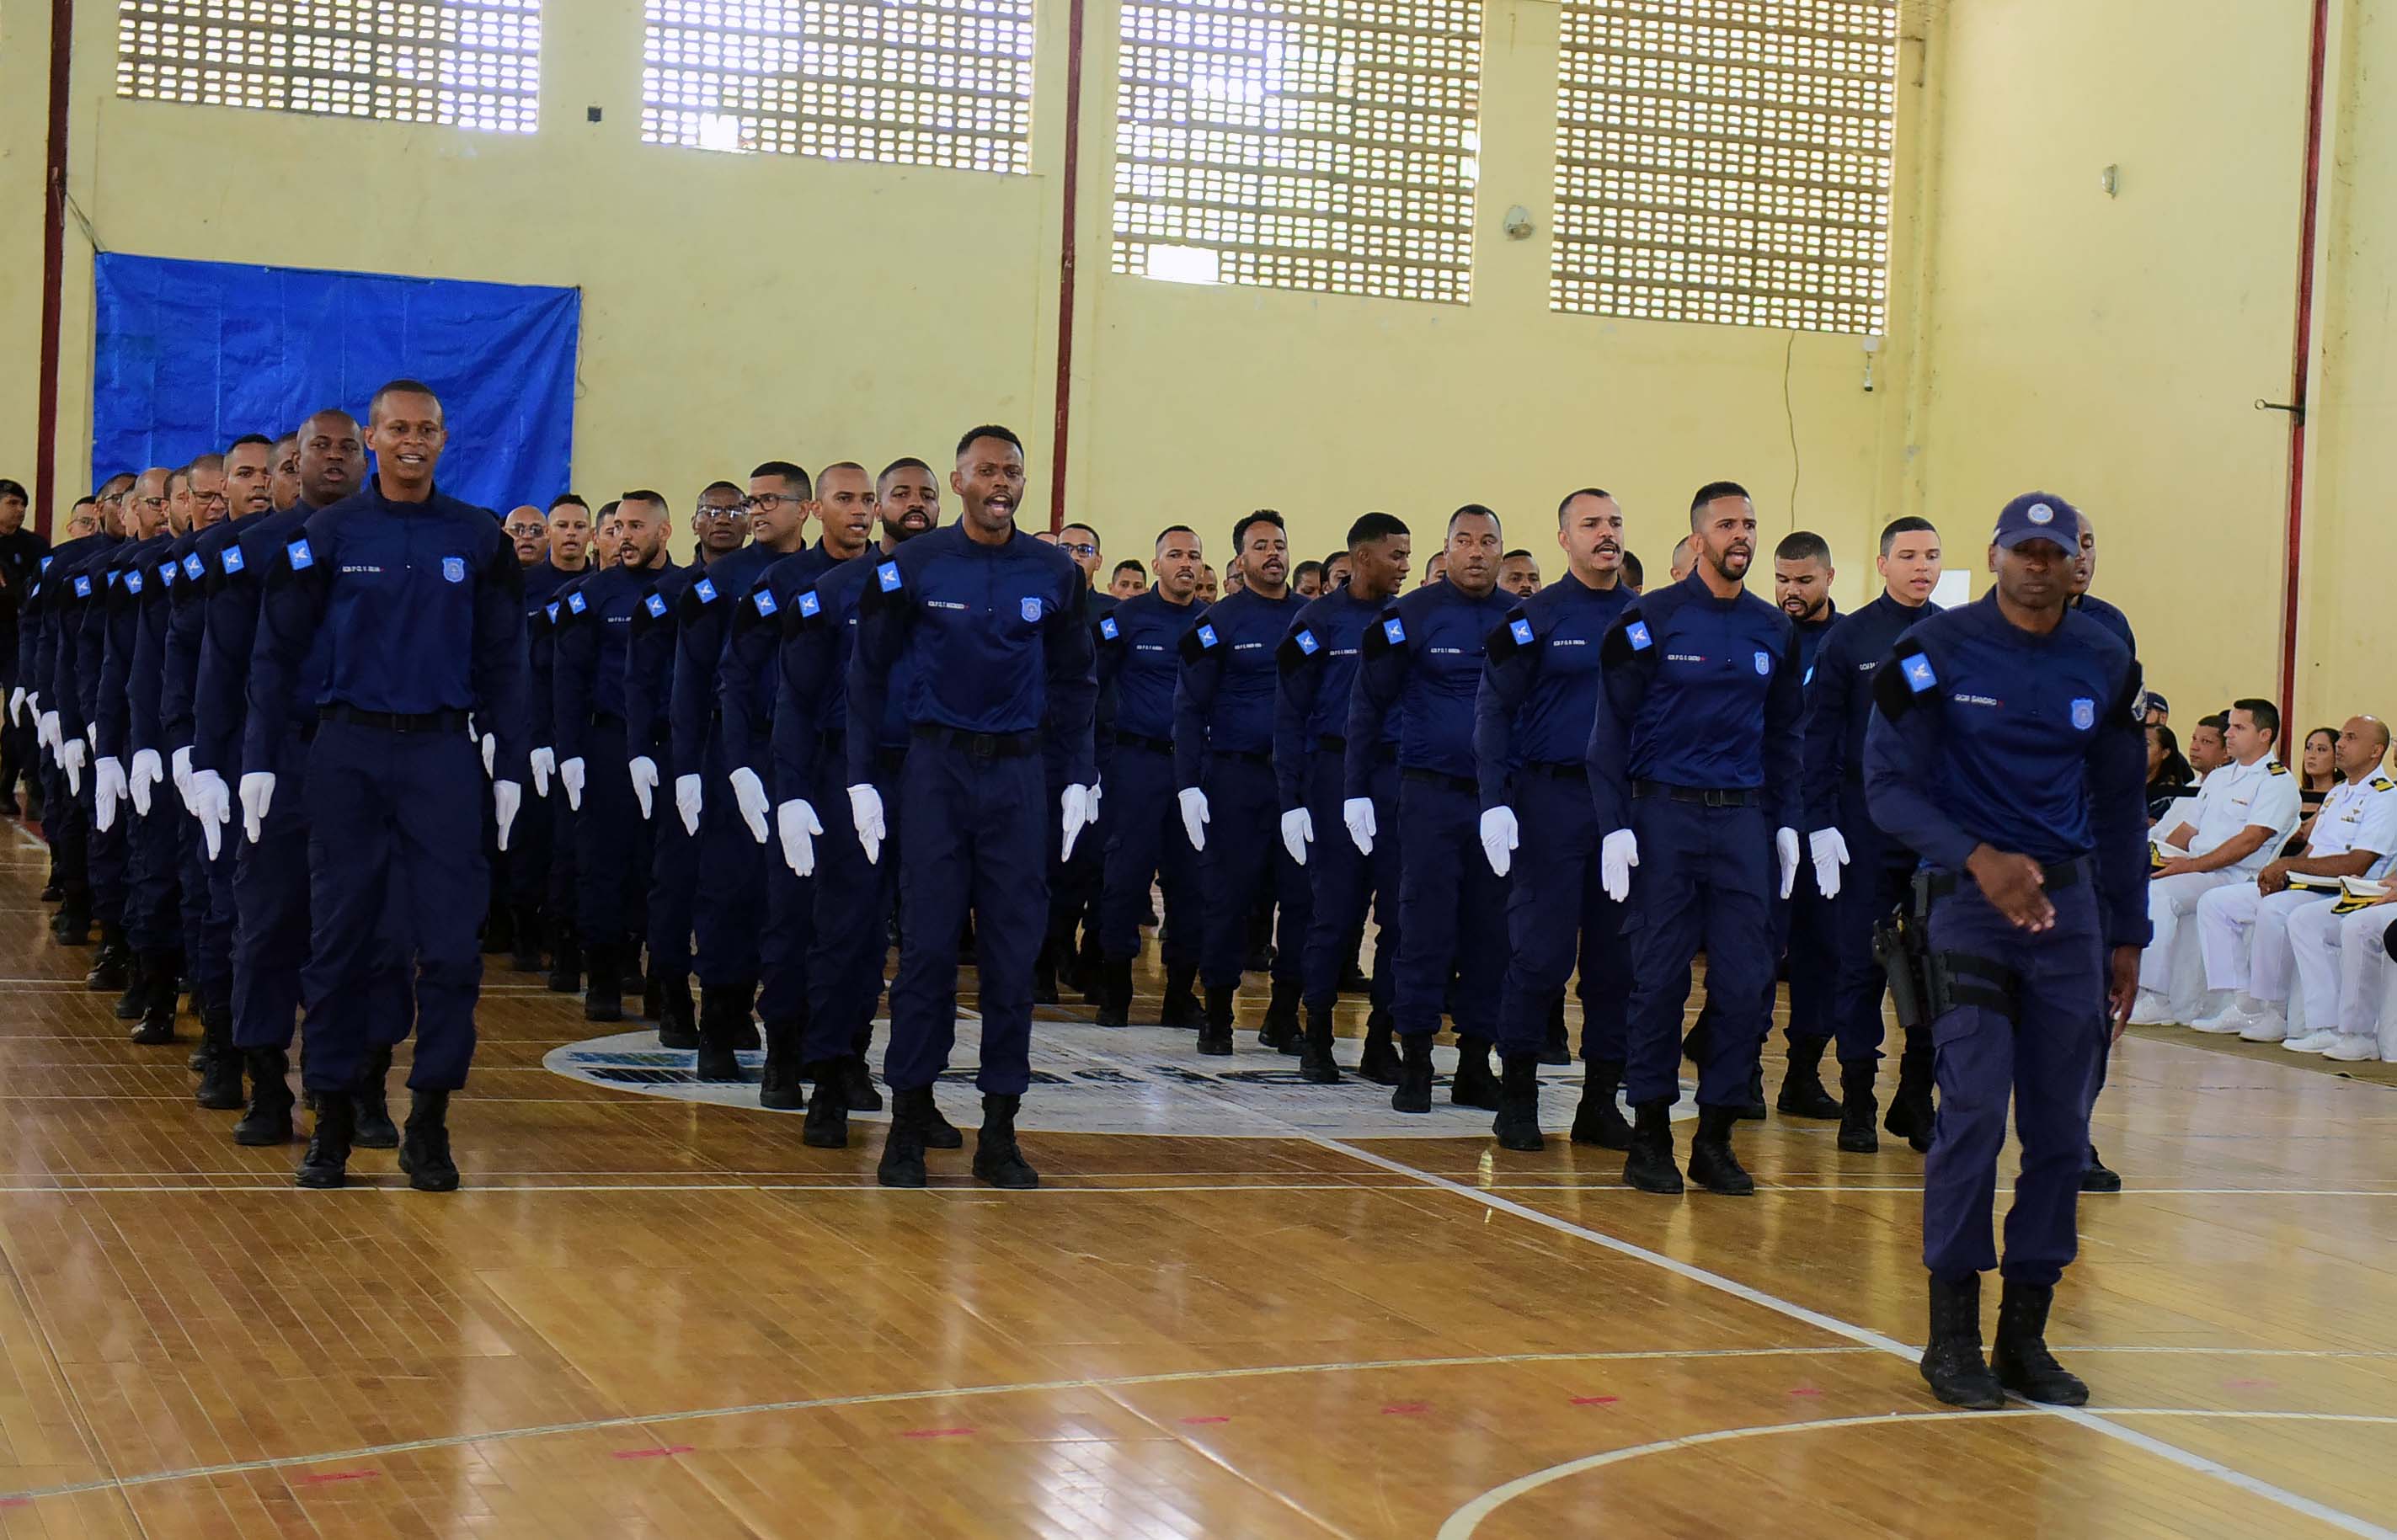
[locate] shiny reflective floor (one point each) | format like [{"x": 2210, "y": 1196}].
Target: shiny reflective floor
[{"x": 652, "y": 1317}]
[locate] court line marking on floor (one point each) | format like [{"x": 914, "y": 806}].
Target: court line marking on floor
[
  {"x": 1465, "y": 1520},
  {"x": 2189, "y": 1460}
]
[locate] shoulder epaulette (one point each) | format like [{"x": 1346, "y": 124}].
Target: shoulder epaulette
[
  {"x": 2276, "y": 767},
  {"x": 2382, "y": 783}
]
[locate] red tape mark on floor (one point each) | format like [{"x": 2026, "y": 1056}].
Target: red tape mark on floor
[
  {"x": 938, "y": 1433},
  {"x": 1595, "y": 1400},
  {"x": 1806, "y": 1390},
  {"x": 1195, "y": 1421},
  {"x": 1405, "y": 1409}
]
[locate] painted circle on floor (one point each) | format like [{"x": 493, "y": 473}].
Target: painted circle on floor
[{"x": 1135, "y": 1080}]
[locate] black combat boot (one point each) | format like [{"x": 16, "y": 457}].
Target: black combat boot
[
  {"x": 1801, "y": 1084},
  {"x": 1598, "y": 1120},
  {"x": 779, "y": 1089},
  {"x": 1910, "y": 1114},
  {"x": 745, "y": 1035},
  {"x": 220, "y": 1087},
  {"x": 1858, "y": 1105},
  {"x": 499, "y": 930},
  {"x": 1751, "y": 1110},
  {"x": 1115, "y": 992},
  {"x": 2023, "y": 1363},
  {"x": 857, "y": 1083},
  {"x": 1474, "y": 1085},
  {"x": 134, "y": 982},
  {"x": 1378, "y": 1061},
  {"x": 722, "y": 1013},
  {"x": 71, "y": 925},
  {"x": 1554, "y": 1049},
  {"x": 1315, "y": 1064},
  {"x": 1180, "y": 1006},
  {"x": 525, "y": 955},
  {"x": 1518, "y": 1123},
  {"x": 327, "y": 1161},
  {"x": 937, "y": 1132},
  {"x": 1951, "y": 1360},
  {"x": 372, "y": 1128},
  {"x": 903, "y": 1146},
  {"x": 268, "y": 1119},
  {"x": 1215, "y": 1034},
  {"x": 1281, "y": 1031},
  {"x": 677, "y": 1018},
  {"x": 425, "y": 1154},
  {"x": 603, "y": 994},
  {"x": 1650, "y": 1166},
  {"x": 162, "y": 971},
  {"x": 1712, "y": 1164},
  {"x": 828, "y": 1124},
  {"x": 997, "y": 1159},
  {"x": 1044, "y": 972},
  {"x": 1087, "y": 966},
  {"x": 565, "y": 960},
  {"x": 653, "y": 999},
  {"x": 111, "y": 966},
  {"x": 1414, "y": 1091},
  {"x": 2098, "y": 1177}
]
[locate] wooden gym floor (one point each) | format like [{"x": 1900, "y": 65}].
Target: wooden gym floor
[{"x": 650, "y": 1317}]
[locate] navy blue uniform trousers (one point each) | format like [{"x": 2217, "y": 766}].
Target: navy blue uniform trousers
[
  {"x": 728, "y": 909},
  {"x": 153, "y": 915},
  {"x": 529, "y": 844},
  {"x": 1451, "y": 909},
  {"x": 1345, "y": 880},
  {"x": 104, "y": 859},
  {"x": 853, "y": 899},
  {"x": 790, "y": 930},
  {"x": 385, "y": 810},
  {"x": 1146, "y": 843},
  {"x": 207, "y": 910},
  {"x": 674, "y": 874},
  {"x": 1243, "y": 866},
  {"x": 1556, "y": 905},
  {"x": 611, "y": 847},
  {"x": 2045, "y": 1061},
  {"x": 1875, "y": 882},
  {"x": 975, "y": 839},
  {"x": 558, "y": 895},
  {"x": 1705, "y": 874},
  {"x": 69, "y": 837}
]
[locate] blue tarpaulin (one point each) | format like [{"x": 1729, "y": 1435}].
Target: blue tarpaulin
[{"x": 193, "y": 354}]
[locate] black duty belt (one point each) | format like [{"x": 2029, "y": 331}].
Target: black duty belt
[
  {"x": 394, "y": 721},
  {"x": 2063, "y": 873},
  {"x": 1135, "y": 740},
  {"x": 607, "y": 718},
  {"x": 1243, "y": 756},
  {"x": 1434, "y": 778},
  {"x": 1562, "y": 769},
  {"x": 980, "y": 746},
  {"x": 1710, "y": 796}
]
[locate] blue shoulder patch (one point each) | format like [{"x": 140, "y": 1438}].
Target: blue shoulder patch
[
  {"x": 551, "y": 608},
  {"x": 112, "y": 576},
  {"x": 1394, "y": 631},
  {"x": 82, "y": 587},
  {"x": 1637, "y": 633},
  {"x": 576, "y": 603},
  {"x": 1522, "y": 631},
  {"x": 809, "y": 605},
  {"x": 655, "y": 604},
  {"x": 132, "y": 580},
  {"x": 1307, "y": 642},
  {"x": 887, "y": 575},
  {"x": 1109, "y": 628},
  {"x": 1918, "y": 674},
  {"x": 301, "y": 558},
  {"x": 168, "y": 572},
  {"x": 193, "y": 566},
  {"x": 46, "y": 562},
  {"x": 705, "y": 589},
  {"x": 232, "y": 560},
  {"x": 1206, "y": 635},
  {"x": 763, "y": 600}
]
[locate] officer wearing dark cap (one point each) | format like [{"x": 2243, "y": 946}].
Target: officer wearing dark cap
[
  {"x": 421, "y": 597},
  {"x": 1693, "y": 769},
  {"x": 991, "y": 622},
  {"x": 1223, "y": 766},
  {"x": 1539, "y": 690},
  {"x": 1423, "y": 659},
  {"x": 1320, "y": 658},
  {"x": 2006, "y": 748}
]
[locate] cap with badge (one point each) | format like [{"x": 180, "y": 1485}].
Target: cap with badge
[{"x": 2039, "y": 515}]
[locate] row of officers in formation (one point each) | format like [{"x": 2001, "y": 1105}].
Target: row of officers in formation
[{"x": 751, "y": 764}]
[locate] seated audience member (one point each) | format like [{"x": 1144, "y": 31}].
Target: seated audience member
[
  {"x": 2155, "y": 710},
  {"x": 2240, "y": 816},
  {"x": 2244, "y": 928},
  {"x": 1307, "y": 580},
  {"x": 1130, "y": 580},
  {"x": 2341, "y": 950},
  {"x": 2169, "y": 777},
  {"x": 2317, "y": 773},
  {"x": 2206, "y": 753}
]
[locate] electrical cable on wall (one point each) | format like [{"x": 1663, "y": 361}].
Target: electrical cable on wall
[{"x": 1789, "y": 414}]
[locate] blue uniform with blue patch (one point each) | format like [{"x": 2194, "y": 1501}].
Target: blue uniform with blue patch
[
  {"x": 2031, "y": 743},
  {"x": 1320, "y": 658},
  {"x": 1694, "y": 748},
  {"x": 649, "y": 691},
  {"x": 419, "y": 608},
  {"x": 131, "y": 667},
  {"x": 1539, "y": 690},
  {"x": 533, "y": 845},
  {"x": 65, "y": 815},
  {"x": 591, "y": 640},
  {"x": 998, "y": 657},
  {"x": 206, "y": 885},
  {"x": 1222, "y": 743},
  {"x": 729, "y": 909},
  {"x": 1139, "y": 648},
  {"x": 1805, "y": 934}
]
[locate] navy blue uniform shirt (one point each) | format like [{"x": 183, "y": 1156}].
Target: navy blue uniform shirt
[
  {"x": 1839, "y": 702},
  {"x": 128, "y": 702},
  {"x": 812, "y": 696},
  {"x": 1539, "y": 686},
  {"x": 1318, "y": 673},
  {"x": 650, "y": 668},
  {"x": 592, "y": 639},
  {"x": 236, "y": 556},
  {"x": 1139, "y": 647},
  {"x": 1424, "y": 656},
  {"x": 702, "y": 625},
  {"x": 2114, "y": 619},
  {"x": 185, "y": 574},
  {"x": 1809, "y": 639},
  {"x": 1224, "y": 697},
  {"x": 750, "y": 677}
]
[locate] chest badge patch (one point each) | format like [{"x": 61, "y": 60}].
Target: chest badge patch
[
  {"x": 1918, "y": 677},
  {"x": 1764, "y": 663},
  {"x": 2084, "y": 713},
  {"x": 1030, "y": 609},
  {"x": 453, "y": 569}
]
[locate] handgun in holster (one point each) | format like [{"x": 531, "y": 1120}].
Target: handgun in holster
[{"x": 1925, "y": 985}]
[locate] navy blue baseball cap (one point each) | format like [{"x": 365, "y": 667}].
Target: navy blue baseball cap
[{"x": 2039, "y": 515}]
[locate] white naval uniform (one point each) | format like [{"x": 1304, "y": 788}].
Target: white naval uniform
[
  {"x": 2245, "y": 933},
  {"x": 2340, "y": 962},
  {"x": 2232, "y": 798}
]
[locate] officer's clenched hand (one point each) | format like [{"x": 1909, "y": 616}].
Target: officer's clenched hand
[
  {"x": 1829, "y": 849},
  {"x": 182, "y": 772},
  {"x": 570, "y": 775},
  {"x": 211, "y": 803},
  {"x": 107, "y": 790},
  {"x": 687, "y": 801},
  {"x": 257, "y": 795},
  {"x": 1079, "y": 806},
  {"x": 1193, "y": 816},
  {"x": 506, "y": 798},
  {"x": 1298, "y": 834},
  {"x": 1358, "y": 813},
  {"x": 749, "y": 796},
  {"x": 645, "y": 781},
  {"x": 1499, "y": 837},
  {"x": 866, "y": 812},
  {"x": 146, "y": 771},
  {"x": 71, "y": 761},
  {"x": 542, "y": 762},
  {"x": 796, "y": 820},
  {"x": 1785, "y": 845},
  {"x": 1618, "y": 853},
  {"x": 2014, "y": 883}
]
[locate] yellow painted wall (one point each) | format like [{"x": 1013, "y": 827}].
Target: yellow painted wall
[{"x": 24, "y": 126}]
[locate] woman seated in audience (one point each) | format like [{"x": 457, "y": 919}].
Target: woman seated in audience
[
  {"x": 2169, "y": 776},
  {"x": 2319, "y": 773}
]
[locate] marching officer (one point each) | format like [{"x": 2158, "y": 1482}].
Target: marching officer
[
  {"x": 543, "y": 873},
  {"x": 135, "y": 608},
  {"x": 2006, "y": 748}
]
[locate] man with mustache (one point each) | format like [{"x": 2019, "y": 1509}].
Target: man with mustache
[
  {"x": 1539, "y": 687},
  {"x": 1694, "y": 769}
]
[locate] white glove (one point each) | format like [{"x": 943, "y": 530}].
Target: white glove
[
  {"x": 570, "y": 775},
  {"x": 182, "y": 772},
  {"x": 645, "y": 781},
  {"x": 146, "y": 771},
  {"x": 749, "y": 796},
  {"x": 16, "y": 703},
  {"x": 490, "y": 755},
  {"x": 1079, "y": 805},
  {"x": 797, "y": 822},
  {"x": 107, "y": 791},
  {"x": 687, "y": 801},
  {"x": 1298, "y": 834},
  {"x": 1618, "y": 853},
  {"x": 257, "y": 797},
  {"x": 1358, "y": 813},
  {"x": 543, "y": 764},
  {"x": 91, "y": 732},
  {"x": 506, "y": 798},
  {"x": 1095, "y": 801},
  {"x": 1499, "y": 837},
  {"x": 70, "y": 754},
  {"x": 45, "y": 730},
  {"x": 1193, "y": 816},
  {"x": 1785, "y": 845},
  {"x": 866, "y": 812},
  {"x": 211, "y": 803},
  {"x": 1829, "y": 849}
]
